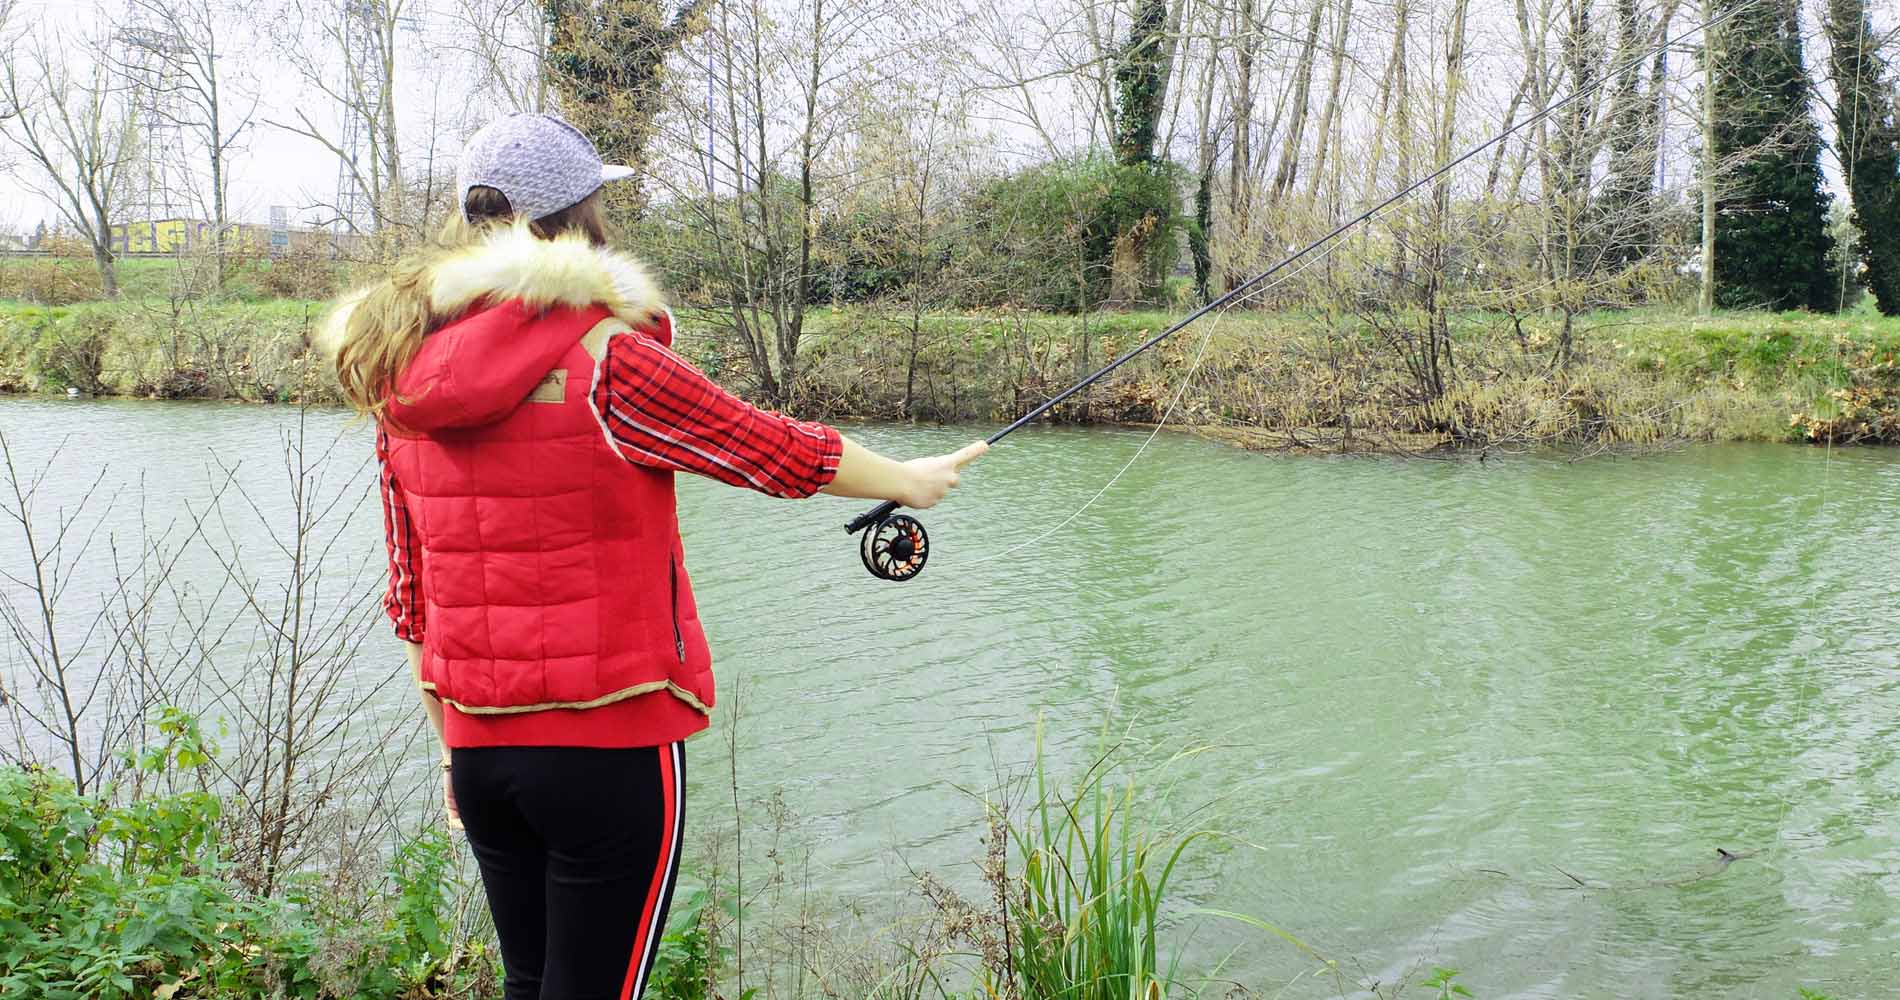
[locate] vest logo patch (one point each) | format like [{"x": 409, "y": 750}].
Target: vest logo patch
[{"x": 553, "y": 388}]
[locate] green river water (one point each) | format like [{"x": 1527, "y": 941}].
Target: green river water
[{"x": 1432, "y": 688}]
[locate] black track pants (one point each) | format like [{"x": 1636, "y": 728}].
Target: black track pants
[{"x": 578, "y": 849}]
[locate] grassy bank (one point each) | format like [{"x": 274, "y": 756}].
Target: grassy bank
[
  {"x": 1286, "y": 379},
  {"x": 1301, "y": 380}
]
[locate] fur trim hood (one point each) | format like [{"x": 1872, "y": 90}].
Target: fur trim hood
[
  {"x": 513, "y": 264},
  {"x": 501, "y": 314}
]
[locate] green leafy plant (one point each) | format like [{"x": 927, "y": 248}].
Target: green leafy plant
[
  {"x": 689, "y": 957},
  {"x": 122, "y": 894},
  {"x": 1445, "y": 982}
]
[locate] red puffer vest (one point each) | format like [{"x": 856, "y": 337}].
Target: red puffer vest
[{"x": 558, "y": 607}]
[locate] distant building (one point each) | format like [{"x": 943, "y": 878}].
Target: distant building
[
  {"x": 185, "y": 235},
  {"x": 10, "y": 242}
]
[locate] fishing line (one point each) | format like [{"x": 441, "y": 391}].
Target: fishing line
[
  {"x": 1187, "y": 378},
  {"x": 1804, "y": 705},
  {"x": 896, "y": 547}
]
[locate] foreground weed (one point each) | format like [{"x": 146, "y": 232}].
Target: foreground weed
[
  {"x": 1445, "y": 981},
  {"x": 1080, "y": 918}
]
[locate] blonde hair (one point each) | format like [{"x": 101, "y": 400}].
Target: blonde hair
[{"x": 384, "y": 325}]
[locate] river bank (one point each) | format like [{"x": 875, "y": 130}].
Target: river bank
[{"x": 1267, "y": 380}]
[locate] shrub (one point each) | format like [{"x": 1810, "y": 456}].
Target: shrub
[
  {"x": 690, "y": 957},
  {"x": 67, "y": 247},
  {"x": 70, "y": 352},
  {"x": 50, "y": 281},
  {"x": 1046, "y": 237},
  {"x": 115, "y": 900},
  {"x": 306, "y": 272}
]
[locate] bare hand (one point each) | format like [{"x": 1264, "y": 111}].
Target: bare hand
[
  {"x": 937, "y": 475},
  {"x": 448, "y": 801}
]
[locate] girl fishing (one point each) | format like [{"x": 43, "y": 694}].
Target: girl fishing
[{"x": 530, "y": 417}]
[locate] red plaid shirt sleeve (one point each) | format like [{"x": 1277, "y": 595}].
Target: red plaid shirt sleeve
[
  {"x": 660, "y": 411},
  {"x": 403, "y": 600}
]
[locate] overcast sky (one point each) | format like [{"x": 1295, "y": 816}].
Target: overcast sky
[
  {"x": 273, "y": 166},
  {"x": 439, "y": 94}
]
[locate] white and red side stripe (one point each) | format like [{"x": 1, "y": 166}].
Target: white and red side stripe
[
  {"x": 666, "y": 869},
  {"x": 403, "y": 601}
]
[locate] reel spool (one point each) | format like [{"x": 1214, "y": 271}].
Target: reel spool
[{"x": 895, "y": 548}]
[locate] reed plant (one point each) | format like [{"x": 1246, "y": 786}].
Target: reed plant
[{"x": 1083, "y": 917}]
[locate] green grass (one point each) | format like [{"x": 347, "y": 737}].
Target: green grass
[{"x": 151, "y": 279}]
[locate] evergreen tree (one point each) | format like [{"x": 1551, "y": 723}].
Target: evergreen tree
[
  {"x": 1771, "y": 238},
  {"x": 1869, "y": 144}
]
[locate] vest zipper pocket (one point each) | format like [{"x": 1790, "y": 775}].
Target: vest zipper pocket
[{"x": 673, "y": 584}]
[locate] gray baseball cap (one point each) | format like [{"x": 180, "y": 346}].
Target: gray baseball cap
[{"x": 540, "y": 162}]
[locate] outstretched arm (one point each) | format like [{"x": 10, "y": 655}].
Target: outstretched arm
[{"x": 660, "y": 411}]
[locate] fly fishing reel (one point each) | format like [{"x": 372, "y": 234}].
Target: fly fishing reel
[{"x": 895, "y": 548}]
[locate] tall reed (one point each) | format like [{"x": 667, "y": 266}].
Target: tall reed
[{"x": 1084, "y": 919}]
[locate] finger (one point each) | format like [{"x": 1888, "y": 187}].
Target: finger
[{"x": 969, "y": 453}]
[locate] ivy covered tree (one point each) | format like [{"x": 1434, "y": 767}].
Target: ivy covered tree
[
  {"x": 605, "y": 59},
  {"x": 1869, "y": 144},
  {"x": 1771, "y": 238},
  {"x": 1144, "y": 198}
]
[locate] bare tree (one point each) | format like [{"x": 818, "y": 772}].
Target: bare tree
[
  {"x": 1705, "y": 296},
  {"x": 507, "y": 41},
  {"x": 353, "y": 66},
  {"x": 1289, "y": 167},
  {"x": 777, "y": 101},
  {"x": 85, "y": 669},
  {"x": 1207, "y": 155},
  {"x": 194, "y": 90},
  {"x": 911, "y": 145},
  {"x": 1330, "y": 117},
  {"x": 1247, "y": 35},
  {"x": 302, "y": 605},
  {"x": 75, "y": 133}
]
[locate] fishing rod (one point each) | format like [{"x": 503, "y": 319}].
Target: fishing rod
[{"x": 896, "y": 546}]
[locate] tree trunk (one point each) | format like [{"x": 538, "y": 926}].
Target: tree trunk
[
  {"x": 1438, "y": 266},
  {"x": 1510, "y": 118},
  {"x": 790, "y": 332},
  {"x": 1401, "y": 124},
  {"x": 1141, "y": 75},
  {"x": 108, "y": 271},
  {"x": 1538, "y": 69},
  {"x": 1289, "y": 167},
  {"x": 1705, "y": 301},
  {"x": 1171, "y": 47},
  {"x": 219, "y": 217},
  {"x": 1329, "y": 112},
  {"x": 1200, "y": 234},
  {"x": 1240, "y": 160}
]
